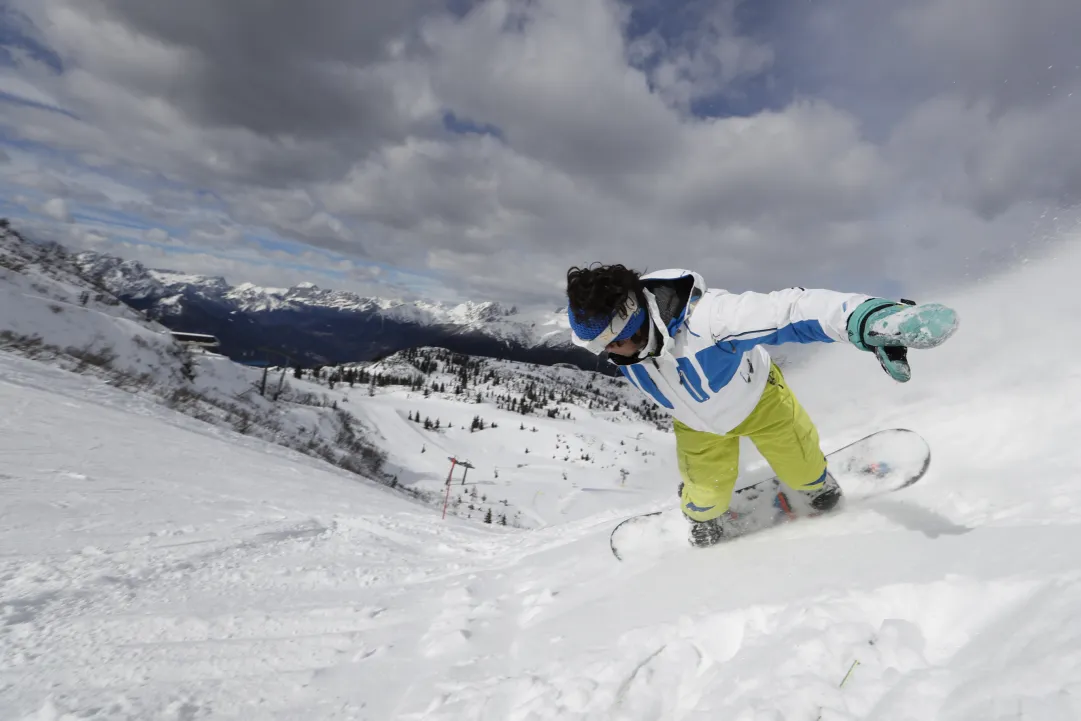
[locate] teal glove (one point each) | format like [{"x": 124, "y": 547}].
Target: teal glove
[{"x": 888, "y": 329}]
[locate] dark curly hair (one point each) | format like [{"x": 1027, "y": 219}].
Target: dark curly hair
[{"x": 597, "y": 291}]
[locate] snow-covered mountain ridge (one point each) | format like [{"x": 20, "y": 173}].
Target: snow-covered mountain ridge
[
  {"x": 131, "y": 278},
  {"x": 326, "y": 325}
]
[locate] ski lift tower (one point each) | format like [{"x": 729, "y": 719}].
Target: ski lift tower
[
  {"x": 466, "y": 465},
  {"x": 455, "y": 462},
  {"x": 268, "y": 353}
]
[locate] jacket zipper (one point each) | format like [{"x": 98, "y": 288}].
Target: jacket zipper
[{"x": 676, "y": 394}]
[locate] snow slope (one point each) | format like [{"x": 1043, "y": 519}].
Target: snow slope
[
  {"x": 157, "y": 567},
  {"x": 534, "y": 469},
  {"x": 50, "y": 311},
  {"x": 523, "y": 466}
]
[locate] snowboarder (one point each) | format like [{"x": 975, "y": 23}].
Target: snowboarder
[{"x": 699, "y": 352}]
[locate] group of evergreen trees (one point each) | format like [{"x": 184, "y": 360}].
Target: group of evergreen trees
[
  {"x": 353, "y": 376},
  {"x": 482, "y": 380},
  {"x": 478, "y": 424},
  {"x": 428, "y": 423},
  {"x": 473, "y": 505}
]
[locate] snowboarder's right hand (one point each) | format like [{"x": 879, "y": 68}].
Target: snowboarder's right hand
[{"x": 888, "y": 329}]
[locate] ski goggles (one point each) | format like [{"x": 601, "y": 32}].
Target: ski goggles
[{"x": 595, "y": 334}]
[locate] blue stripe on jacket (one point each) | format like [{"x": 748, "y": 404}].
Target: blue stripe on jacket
[
  {"x": 644, "y": 382},
  {"x": 721, "y": 361},
  {"x": 802, "y": 331}
]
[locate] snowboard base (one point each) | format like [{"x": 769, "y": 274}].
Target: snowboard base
[{"x": 882, "y": 462}]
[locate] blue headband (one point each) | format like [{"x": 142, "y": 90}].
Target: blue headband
[{"x": 597, "y": 332}]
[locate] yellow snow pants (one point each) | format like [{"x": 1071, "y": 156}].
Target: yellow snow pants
[{"x": 780, "y": 429}]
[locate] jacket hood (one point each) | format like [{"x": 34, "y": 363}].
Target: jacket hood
[{"x": 671, "y": 296}]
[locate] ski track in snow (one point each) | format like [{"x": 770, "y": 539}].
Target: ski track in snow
[{"x": 154, "y": 567}]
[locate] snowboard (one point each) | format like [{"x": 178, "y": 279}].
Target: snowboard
[{"x": 882, "y": 462}]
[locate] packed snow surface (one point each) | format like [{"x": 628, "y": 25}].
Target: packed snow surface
[{"x": 156, "y": 567}]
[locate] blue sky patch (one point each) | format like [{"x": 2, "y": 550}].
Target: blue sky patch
[
  {"x": 14, "y": 35},
  {"x": 465, "y": 126}
]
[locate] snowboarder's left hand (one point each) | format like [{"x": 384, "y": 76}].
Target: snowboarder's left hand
[{"x": 888, "y": 329}]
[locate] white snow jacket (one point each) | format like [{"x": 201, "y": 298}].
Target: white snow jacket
[{"x": 710, "y": 367}]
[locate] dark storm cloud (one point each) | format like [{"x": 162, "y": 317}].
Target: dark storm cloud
[
  {"x": 275, "y": 67},
  {"x": 893, "y": 55},
  {"x": 884, "y": 60},
  {"x": 972, "y": 101}
]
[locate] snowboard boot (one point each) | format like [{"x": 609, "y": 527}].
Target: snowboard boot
[
  {"x": 708, "y": 533},
  {"x": 822, "y": 499}
]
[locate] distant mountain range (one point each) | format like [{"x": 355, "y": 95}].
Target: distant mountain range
[{"x": 316, "y": 326}]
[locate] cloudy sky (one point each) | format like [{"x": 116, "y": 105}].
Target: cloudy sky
[{"x": 458, "y": 149}]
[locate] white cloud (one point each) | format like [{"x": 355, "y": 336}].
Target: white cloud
[
  {"x": 156, "y": 235},
  {"x": 704, "y": 61},
  {"x": 54, "y": 182},
  {"x": 324, "y": 130},
  {"x": 989, "y": 161},
  {"x": 57, "y": 208},
  {"x": 26, "y": 91}
]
